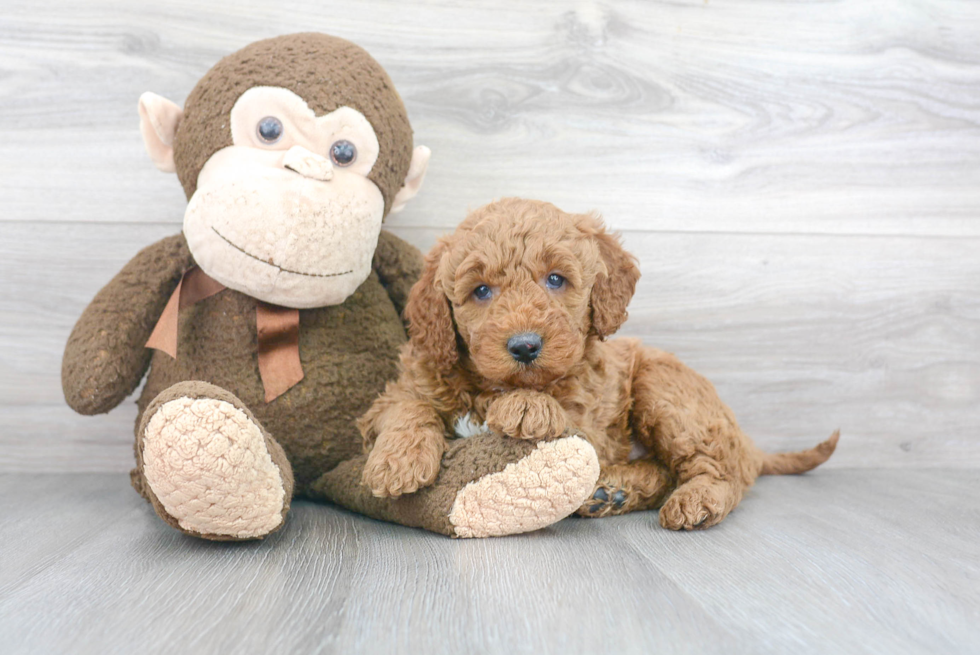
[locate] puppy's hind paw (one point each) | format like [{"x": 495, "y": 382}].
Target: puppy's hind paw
[
  {"x": 606, "y": 501},
  {"x": 697, "y": 505}
]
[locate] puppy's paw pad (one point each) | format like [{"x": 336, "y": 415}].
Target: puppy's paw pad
[{"x": 606, "y": 500}]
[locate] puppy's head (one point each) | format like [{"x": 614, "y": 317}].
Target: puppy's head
[{"x": 519, "y": 289}]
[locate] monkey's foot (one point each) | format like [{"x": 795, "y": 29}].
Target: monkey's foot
[
  {"x": 210, "y": 466},
  {"x": 543, "y": 487},
  {"x": 488, "y": 485}
]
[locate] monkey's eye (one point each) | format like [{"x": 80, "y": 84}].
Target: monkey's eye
[
  {"x": 269, "y": 129},
  {"x": 343, "y": 153},
  {"x": 482, "y": 292},
  {"x": 554, "y": 281}
]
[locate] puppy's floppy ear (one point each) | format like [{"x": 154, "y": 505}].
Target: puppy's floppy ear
[
  {"x": 430, "y": 319},
  {"x": 612, "y": 290}
]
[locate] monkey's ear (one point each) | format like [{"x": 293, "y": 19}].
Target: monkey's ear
[
  {"x": 612, "y": 291},
  {"x": 430, "y": 319},
  {"x": 413, "y": 181},
  {"x": 158, "y": 124}
]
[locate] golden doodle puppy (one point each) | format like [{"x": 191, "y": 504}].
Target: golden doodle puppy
[{"x": 508, "y": 325}]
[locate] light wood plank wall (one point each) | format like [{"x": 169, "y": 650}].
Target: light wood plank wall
[{"x": 801, "y": 183}]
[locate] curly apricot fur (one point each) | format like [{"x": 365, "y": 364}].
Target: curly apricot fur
[{"x": 615, "y": 394}]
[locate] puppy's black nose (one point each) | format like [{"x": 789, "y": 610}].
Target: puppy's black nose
[{"x": 524, "y": 347}]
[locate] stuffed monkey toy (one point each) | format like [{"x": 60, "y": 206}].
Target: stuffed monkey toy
[{"x": 272, "y": 322}]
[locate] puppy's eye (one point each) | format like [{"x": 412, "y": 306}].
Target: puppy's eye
[
  {"x": 269, "y": 129},
  {"x": 343, "y": 153},
  {"x": 554, "y": 281},
  {"x": 482, "y": 292}
]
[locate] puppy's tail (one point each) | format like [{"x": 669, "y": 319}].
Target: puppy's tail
[{"x": 800, "y": 462}]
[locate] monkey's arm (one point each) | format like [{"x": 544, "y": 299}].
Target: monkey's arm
[
  {"x": 398, "y": 265},
  {"x": 105, "y": 358}
]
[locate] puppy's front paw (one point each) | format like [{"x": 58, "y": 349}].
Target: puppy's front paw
[
  {"x": 527, "y": 415},
  {"x": 402, "y": 463}
]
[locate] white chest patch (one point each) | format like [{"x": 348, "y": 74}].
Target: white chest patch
[{"x": 466, "y": 426}]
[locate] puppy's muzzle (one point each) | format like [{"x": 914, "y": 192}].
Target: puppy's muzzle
[{"x": 524, "y": 347}]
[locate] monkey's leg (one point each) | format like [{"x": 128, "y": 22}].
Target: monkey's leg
[
  {"x": 622, "y": 488},
  {"x": 488, "y": 485},
  {"x": 208, "y": 467}
]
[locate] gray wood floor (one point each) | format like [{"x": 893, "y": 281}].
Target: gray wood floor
[
  {"x": 837, "y": 561},
  {"x": 801, "y": 183}
]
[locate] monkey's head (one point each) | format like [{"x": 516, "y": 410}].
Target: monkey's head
[{"x": 291, "y": 151}]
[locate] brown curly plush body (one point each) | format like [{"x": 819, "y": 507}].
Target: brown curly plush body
[
  {"x": 690, "y": 455},
  {"x": 313, "y": 421}
]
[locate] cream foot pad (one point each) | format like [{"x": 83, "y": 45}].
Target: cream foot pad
[
  {"x": 209, "y": 467},
  {"x": 544, "y": 487}
]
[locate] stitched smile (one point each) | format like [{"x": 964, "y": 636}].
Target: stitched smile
[{"x": 268, "y": 263}]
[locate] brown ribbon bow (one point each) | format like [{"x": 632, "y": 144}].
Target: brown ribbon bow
[{"x": 277, "y": 328}]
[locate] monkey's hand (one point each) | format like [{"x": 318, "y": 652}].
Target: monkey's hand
[
  {"x": 403, "y": 461},
  {"x": 105, "y": 358},
  {"x": 524, "y": 414}
]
